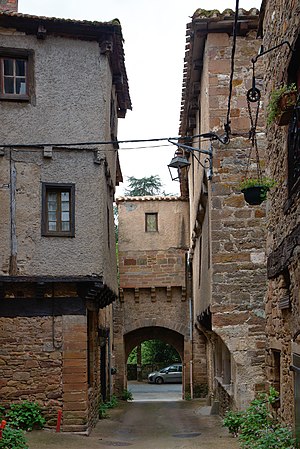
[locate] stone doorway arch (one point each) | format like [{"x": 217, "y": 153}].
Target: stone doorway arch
[{"x": 134, "y": 337}]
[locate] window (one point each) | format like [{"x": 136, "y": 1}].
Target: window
[
  {"x": 294, "y": 127},
  {"x": 58, "y": 210},
  {"x": 276, "y": 370},
  {"x": 151, "y": 222},
  {"x": 15, "y": 74}
]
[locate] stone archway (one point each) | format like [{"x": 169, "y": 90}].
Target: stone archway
[
  {"x": 169, "y": 336},
  {"x": 176, "y": 335}
]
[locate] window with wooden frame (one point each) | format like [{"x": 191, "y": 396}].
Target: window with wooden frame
[
  {"x": 58, "y": 210},
  {"x": 151, "y": 222},
  {"x": 294, "y": 127},
  {"x": 16, "y": 74}
]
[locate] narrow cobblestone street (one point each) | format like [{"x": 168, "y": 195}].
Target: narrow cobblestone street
[{"x": 146, "y": 425}]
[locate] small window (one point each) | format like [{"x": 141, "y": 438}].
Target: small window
[
  {"x": 16, "y": 74},
  {"x": 151, "y": 222},
  {"x": 58, "y": 210}
]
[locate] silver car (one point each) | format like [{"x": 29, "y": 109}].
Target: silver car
[{"x": 172, "y": 373}]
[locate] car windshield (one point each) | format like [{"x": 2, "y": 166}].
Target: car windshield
[{"x": 172, "y": 368}]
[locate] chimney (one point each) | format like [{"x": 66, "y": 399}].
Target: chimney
[{"x": 9, "y": 5}]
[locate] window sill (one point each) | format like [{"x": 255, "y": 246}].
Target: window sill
[
  {"x": 58, "y": 234},
  {"x": 16, "y": 98}
]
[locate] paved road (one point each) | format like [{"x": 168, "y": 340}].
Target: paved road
[
  {"x": 146, "y": 425},
  {"x": 142, "y": 391}
]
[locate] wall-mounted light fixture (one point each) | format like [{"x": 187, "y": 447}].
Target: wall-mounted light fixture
[{"x": 180, "y": 161}]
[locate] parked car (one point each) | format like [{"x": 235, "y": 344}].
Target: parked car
[{"x": 172, "y": 373}]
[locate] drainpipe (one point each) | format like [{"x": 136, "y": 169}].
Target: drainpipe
[
  {"x": 109, "y": 366},
  {"x": 13, "y": 235},
  {"x": 190, "y": 296}
]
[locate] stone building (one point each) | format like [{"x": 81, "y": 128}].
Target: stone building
[
  {"x": 227, "y": 236},
  {"x": 62, "y": 82},
  {"x": 279, "y": 23},
  {"x": 153, "y": 303}
]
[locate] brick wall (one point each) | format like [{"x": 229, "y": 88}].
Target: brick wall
[
  {"x": 8, "y": 5},
  {"x": 152, "y": 268}
]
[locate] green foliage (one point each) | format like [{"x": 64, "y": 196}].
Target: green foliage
[
  {"x": 187, "y": 396},
  {"x": 102, "y": 410},
  {"x": 147, "y": 186},
  {"x": 268, "y": 183},
  {"x": 2, "y": 412},
  {"x": 233, "y": 421},
  {"x": 12, "y": 439},
  {"x": 273, "y": 108},
  {"x": 126, "y": 395},
  {"x": 155, "y": 351},
  {"x": 25, "y": 415},
  {"x": 113, "y": 402},
  {"x": 276, "y": 437},
  {"x": 258, "y": 426},
  {"x": 104, "y": 406}
]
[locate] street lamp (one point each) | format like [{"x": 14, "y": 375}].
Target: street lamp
[{"x": 179, "y": 160}]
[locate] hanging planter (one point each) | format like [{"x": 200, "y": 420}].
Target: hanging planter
[
  {"x": 281, "y": 106},
  {"x": 255, "y": 190}
]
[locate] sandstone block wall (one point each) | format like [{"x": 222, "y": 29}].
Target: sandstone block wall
[
  {"x": 238, "y": 231},
  {"x": 227, "y": 235},
  {"x": 160, "y": 268}
]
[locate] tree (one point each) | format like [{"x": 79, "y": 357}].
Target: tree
[
  {"x": 155, "y": 351},
  {"x": 147, "y": 186}
]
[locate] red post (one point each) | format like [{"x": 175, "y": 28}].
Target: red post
[
  {"x": 59, "y": 416},
  {"x": 2, "y": 427}
]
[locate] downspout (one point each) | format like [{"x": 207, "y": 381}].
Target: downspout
[
  {"x": 109, "y": 366},
  {"x": 13, "y": 269},
  {"x": 190, "y": 296}
]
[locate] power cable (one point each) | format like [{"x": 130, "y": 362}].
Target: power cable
[
  {"x": 206, "y": 136},
  {"x": 227, "y": 124}
]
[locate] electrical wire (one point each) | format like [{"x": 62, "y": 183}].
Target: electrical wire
[
  {"x": 108, "y": 142},
  {"x": 227, "y": 124}
]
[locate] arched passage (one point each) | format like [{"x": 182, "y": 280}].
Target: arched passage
[
  {"x": 132, "y": 338},
  {"x": 173, "y": 338}
]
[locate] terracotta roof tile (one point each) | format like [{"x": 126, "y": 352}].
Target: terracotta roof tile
[
  {"x": 122, "y": 199},
  {"x": 59, "y": 20}
]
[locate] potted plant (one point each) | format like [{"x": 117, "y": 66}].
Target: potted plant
[
  {"x": 281, "y": 105},
  {"x": 255, "y": 190}
]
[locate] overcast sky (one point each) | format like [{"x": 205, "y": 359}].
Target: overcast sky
[{"x": 154, "y": 33}]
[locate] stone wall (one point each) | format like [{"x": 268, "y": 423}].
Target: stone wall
[
  {"x": 238, "y": 230},
  {"x": 227, "y": 235},
  {"x": 30, "y": 365},
  {"x": 140, "y": 269},
  {"x": 153, "y": 302},
  {"x": 45, "y": 359},
  {"x": 281, "y": 23}
]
